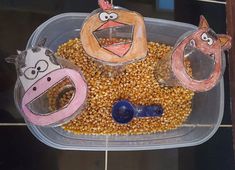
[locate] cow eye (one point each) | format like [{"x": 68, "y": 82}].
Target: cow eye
[
  {"x": 42, "y": 65},
  {"x": 30, "y": 73}
]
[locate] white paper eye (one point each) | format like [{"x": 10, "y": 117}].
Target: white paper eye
[
  {"x": 210, "y": 41},
  {"x": 113, "y": 16},
  {"x": 204, "y": 37},
  {"x": 41, "y": 65},
  {"x": 30, "y": 73},
  {"x": 104, "y": 16}
]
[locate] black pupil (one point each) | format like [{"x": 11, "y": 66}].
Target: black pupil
[
  {"x": 39, "y": 68},
  {"x": 106, "y": 17},
  {"x": 33, "y": 71},
  {"x": 111, "y": 16}
]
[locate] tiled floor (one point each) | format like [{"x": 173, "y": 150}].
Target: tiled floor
[{"x": 20, "y": 150}]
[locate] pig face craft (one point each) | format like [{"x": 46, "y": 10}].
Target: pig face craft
[{"x": 211, "y": 45}]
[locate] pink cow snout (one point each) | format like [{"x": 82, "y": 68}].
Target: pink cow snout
[{"x": 47, "y": 82}]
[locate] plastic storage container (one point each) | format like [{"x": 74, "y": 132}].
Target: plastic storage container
[{"x": 202, "y": 123}]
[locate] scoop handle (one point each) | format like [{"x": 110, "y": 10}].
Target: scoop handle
[{"x": 148, "y": 111}]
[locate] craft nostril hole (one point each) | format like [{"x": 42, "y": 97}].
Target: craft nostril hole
[
  {"x": 34, "y": 88},
  {"x": 48, "y": 78}
]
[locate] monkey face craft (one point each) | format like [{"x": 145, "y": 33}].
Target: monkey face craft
[{"x": 113, "y": 35}]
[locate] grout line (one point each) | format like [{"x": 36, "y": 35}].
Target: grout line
[
  {"x": 184, "y": 125},
  {"x": 213, "y": 1},
  {"x": 106, "y": 155},
  {"x": 12, "y": 124},
  {"x": 106, "y": 160}
]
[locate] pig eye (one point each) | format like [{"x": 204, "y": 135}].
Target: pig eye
[
  {"x": 204, "y": 37},
  {"x": 113, "y": 16},
  {"x": 104, "y": 16},
  {"x": 210, "y": 41}
]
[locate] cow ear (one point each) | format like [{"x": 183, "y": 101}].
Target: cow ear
[
  {"x": 203, "y": 22},
  {"x": 18, "y": 51},
  {"x": 225, "y": 41},
  {"x": 42, "y": 42}
]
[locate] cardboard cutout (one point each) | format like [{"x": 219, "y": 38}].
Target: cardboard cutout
[
  {"x": 125, "y": 30},
  {"x": 38, "y": 72}
]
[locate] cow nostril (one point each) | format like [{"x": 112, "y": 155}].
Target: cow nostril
[
  {"x": 48, "y": 78},
  {"x": 34, "y": 88}
]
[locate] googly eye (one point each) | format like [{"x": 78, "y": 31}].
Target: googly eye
[
  {"x": 30, "y": 73},
  {"x": 210, "y": 41},
  {"x": 104, "y": 16},
  {"x": 42, "y": 65},
  {"x": 113, "y": 16},
  {"x": 204, "y": 37}
]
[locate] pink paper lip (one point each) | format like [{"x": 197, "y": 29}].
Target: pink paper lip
[
  {"x": 119, "y": 49},
  {"x": 110, "y": 24},
  {"x": 43, "y": 85}
]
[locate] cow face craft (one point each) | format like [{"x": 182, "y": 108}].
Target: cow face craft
[{"x": 38, "y": 72}]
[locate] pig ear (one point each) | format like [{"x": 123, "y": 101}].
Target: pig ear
[
  {"x": 203, "y": 22},
  {"x": 225, "y": 41}
]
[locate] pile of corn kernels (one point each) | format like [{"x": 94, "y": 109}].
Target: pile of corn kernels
[{"x": 136, "y": 83}]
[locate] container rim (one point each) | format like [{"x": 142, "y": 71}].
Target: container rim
[
  {"x": 36, "y": 33},
  {"x": 34, "y": 129}
]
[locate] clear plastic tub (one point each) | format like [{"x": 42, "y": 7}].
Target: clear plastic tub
[{"x": 202, "y": 123}]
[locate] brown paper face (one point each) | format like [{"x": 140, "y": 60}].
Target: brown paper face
[{"x": 125, "y": 31}]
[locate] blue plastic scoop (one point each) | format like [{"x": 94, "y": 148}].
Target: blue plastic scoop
[{"x": 124, "y": 111}]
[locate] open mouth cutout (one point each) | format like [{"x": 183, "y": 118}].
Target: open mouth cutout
[
  {"x": 53, "y": 99},
  {"x": 115, "y": 37},
  {"x": 199, "y": 66}
]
